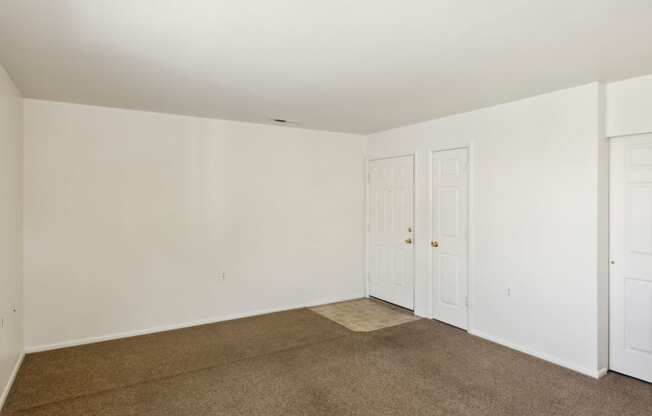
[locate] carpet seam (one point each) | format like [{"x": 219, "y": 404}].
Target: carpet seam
[{"x": 25, "y": 409}]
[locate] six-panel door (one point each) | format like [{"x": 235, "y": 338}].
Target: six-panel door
[
  {"x": 391, "y": 234},
  {"x": 449, "y": 244},
  {"x": 631, "y": 256}
]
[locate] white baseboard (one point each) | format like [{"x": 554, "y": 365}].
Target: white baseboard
[
  {"x": 588, "y": 372},
  {"x": 10, "y": 382},
  {"x": 163, "y": 328}
]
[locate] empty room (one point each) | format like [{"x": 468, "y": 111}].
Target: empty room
[{"x": 324, "y": 208}]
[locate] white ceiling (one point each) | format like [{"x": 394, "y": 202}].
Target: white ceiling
[{"x": 343, "y": 65}]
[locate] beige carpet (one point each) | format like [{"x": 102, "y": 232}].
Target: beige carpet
[
  {"x": 299, "y": 363},
  {"x": 363, "y": 315}
]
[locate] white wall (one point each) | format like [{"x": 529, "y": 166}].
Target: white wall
[
  {"x": 132, "y": 217},
  {"x": 534, "y": 220},
  {"x": 11, "y": 333},
  {"x": 602, "y": 317},
  {"x": 629, "y": 106}
]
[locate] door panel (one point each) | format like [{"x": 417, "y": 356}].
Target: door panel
[
  {"x": 638, "y": 315},
  {"x": 448, "y": 283},
  {"x": 449, "y": 246},
  {"x": 630, "y": 274},
  {"x": 391, "y": 254}
]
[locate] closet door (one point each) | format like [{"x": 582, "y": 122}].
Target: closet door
[
  {"x": 449, "y": 244},
  {"x": 630, "y": 271}
]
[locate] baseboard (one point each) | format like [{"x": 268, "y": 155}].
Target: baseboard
[
  {"x": 602, "y": 372},
  {"x": 588, "y": 372},
  {"x": 163, "y": 328},
  {"x": 10, "y": 382}
]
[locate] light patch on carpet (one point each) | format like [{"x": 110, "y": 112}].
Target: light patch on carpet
[{"x": 364, "y": 315}]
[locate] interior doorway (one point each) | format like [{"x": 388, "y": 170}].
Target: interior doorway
[
  {"x": 449, "y": 245},
  {"x": 391, "y": 230},
  {"x": 630, "y": 246}
]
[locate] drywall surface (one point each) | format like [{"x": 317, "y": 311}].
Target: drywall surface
[
  {"x": 629, "y": 106},
  {"x": 603, "y": 237},
  {"x": 139, "y": 221},
  {"x": 11, "y": 325},
  {"x": 534, "y": 219}
]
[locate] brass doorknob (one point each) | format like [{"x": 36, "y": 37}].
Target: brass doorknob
[
  {"x": 434, "y": 243},
  {"x": 408, "y": 241}
]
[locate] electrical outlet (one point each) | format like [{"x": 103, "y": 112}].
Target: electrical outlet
[{"x": 223, "y": 276}]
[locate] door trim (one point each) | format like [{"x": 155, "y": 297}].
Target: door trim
[
  {"x": 367, "y": 222},
  {"x": 470, "y": 229}
]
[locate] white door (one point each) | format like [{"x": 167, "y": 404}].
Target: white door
[
  {"x": 630, "y": 273},
  {"x": 449, "y": 244},
  {"x": 391, "y": 233}
]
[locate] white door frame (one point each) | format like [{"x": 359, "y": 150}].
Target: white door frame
[
  {"x": 367, "y": 224},
  {"x": 470, "y": 228}
]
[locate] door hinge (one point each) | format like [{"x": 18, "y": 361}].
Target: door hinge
[
  {"x": 467, "y": 301},
  {"x": 369, "y": 177}
]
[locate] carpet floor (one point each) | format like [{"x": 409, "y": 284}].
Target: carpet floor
[{"x": 300, "y": 363}]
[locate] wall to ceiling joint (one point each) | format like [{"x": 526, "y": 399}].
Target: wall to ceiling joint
[
  {"x": 535, "y": 221},
  {"x": 629, "y": 107},
  {"x": 137, "y": 222}
]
